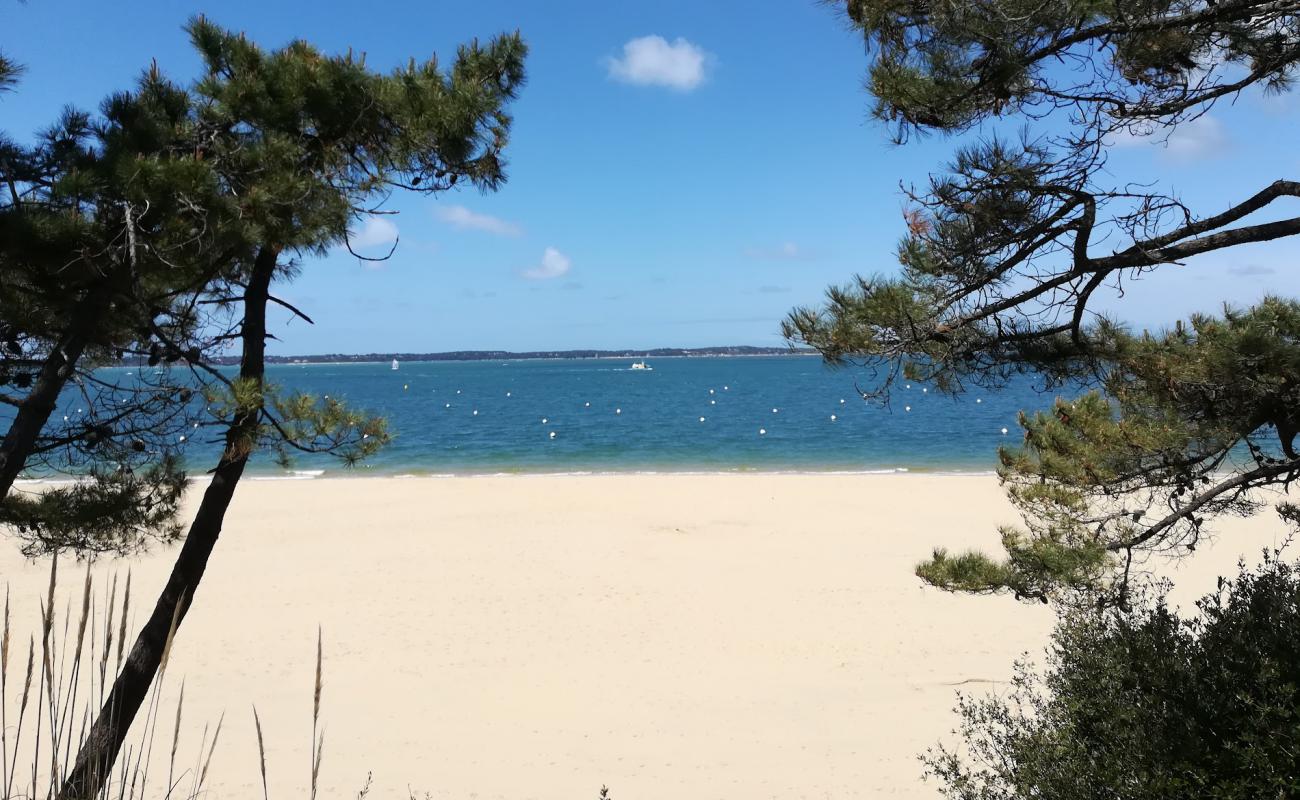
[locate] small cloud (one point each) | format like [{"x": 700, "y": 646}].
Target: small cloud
[
  {"x": 787, "y": 251},
  {"x": 1202, "y": 137},
  {"x": 375, "y": 231},
  {"x": 1252, "y": 270},
  {"x": 463, "y": 218},
  {"x": 653, "y": 61},
  {"x": 773, "y": 289},
  {"x": 554, "y": 264}
]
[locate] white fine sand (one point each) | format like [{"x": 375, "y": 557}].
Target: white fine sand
[{"x": 737, "y": 636}]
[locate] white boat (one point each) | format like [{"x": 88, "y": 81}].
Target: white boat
[
  {"x": 394, "y": 363},
  {"x": 641, "y": 365}
]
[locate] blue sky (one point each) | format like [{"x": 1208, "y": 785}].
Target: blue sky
[{"x": 681, "y": 173}]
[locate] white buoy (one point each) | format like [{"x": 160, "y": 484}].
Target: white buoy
[
  {"x": 923, "y": 391},
  {"x": 909, "y": 386},
  {"x": 841, "y": 401},
  {"x": 762, "y": 431},
  {"x": 65, "y": 417},
  {"x": 979, "y": 400},
  {"x": 458, "y": 391},
  {"x": 774, "y": 411},
  {"x": 507, "y": 394},
  {"x": 543, "y": 420},
  {"x": 726, "y": 388},
  {"x": 447, "y": 406},
  {"x": 182, "y": 438},
  {"x": 1004, "y": 431},
  {"x": 710, "y": 391},
  {"x": 406, "y": 386},
  {"x": 832, "y": 417},
  {"x": 618, "y": 411},
  {"x": 476, "y": 412},
  {"x": 713, "y": 402},
  {"x": 552, "y": 434},
  {"x": 701, "y": 419},
  {"x": 586, "y": 405},
  {"x": 907, "y": 408}
]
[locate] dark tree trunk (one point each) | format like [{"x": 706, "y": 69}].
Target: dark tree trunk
[
  {"x": 40, "y": 403},
  {"x": 103, "y": 743}
]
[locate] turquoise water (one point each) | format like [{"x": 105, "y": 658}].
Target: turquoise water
[
  {"x": 607, "y": 417},
  {"x": 759, "y": 414}
]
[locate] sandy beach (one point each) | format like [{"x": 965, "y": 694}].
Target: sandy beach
[{"x": 684, "y": 636}]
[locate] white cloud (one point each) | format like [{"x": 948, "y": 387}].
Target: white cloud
[
  {"x": 554, "y": 264},
  {"x": 463, "y": 218},
  {"x": 1252, "y": 270},
  {"x": 1202, "y": 137},
  {"x": 786, "y": 251},
  {"x": 375, "y": 231},
  {"x": 653, "y": 61}
]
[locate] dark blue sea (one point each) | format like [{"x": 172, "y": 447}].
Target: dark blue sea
[
  {"x": 684, "y": 414},
  {"x": 723, "y": 414}
]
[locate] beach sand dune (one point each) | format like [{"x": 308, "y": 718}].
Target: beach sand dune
[{"x": 684, "y": 636}]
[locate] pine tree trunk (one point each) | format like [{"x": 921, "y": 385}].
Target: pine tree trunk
[
  {"x": 104, "y": 741},
  {"x": 40, "y": 403}
]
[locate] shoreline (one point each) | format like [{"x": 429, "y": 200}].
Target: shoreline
[{"x": 345, "y": 475}]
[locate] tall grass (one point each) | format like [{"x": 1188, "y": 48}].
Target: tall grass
[{"x": 64, "y": 681}]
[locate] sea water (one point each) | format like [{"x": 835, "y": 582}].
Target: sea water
[{"x": 705, "y": 414}]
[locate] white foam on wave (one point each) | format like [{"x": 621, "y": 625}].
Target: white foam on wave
[{"x": 293, "y": 475}]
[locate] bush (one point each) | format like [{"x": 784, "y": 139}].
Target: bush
[{"x": 1147, "y": 704}]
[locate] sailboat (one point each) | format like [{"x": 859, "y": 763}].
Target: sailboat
[{"x": 394, "y": 363}]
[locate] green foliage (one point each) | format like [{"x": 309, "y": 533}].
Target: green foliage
[
  {"x": 1186, "y": 424},
  {"x": 1147, "y": 704},
  {"x": 104, "y": 512},
  {"x": 1007, "y": 249},
  {"x": 952, "y": 65}
]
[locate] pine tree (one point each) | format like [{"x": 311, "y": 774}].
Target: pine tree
[
  {"x": 304, "y": 144},
  {"x": 1005, "y": 252},
  {"x": 107, "y": 239}
]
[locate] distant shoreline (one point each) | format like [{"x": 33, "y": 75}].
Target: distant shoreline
[{"x": 738, "y": 351}]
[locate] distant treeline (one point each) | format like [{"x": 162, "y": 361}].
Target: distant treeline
[{"x": 506, "y": 355}]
